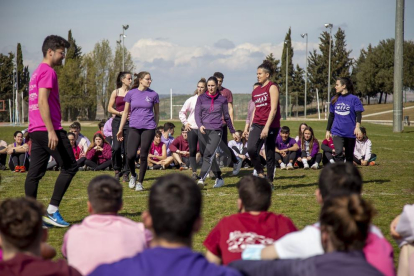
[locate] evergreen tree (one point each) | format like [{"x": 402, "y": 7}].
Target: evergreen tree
[
  {"x": 6, "y": 82},
  {"x": 341, "y": 60},
  {"x": 289, "y": 73},
  {"x": 117, "y": 65},
  {"x": 276, "y": 78}
]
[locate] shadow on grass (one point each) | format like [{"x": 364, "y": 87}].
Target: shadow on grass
[
  {"x": 377, "y": 181},
  {"x": 295, "y": 186},
  {"x": 136, "y": 214}
]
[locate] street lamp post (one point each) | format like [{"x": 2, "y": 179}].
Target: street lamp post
[
  {"x": 329, "y": 25},
  {"x": 124, "y": 28},
  {"x": 286, "y": 99},
  {"x": 306, "y": 72}
]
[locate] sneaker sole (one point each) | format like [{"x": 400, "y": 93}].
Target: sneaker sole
[
  {"x": 200, "y": 185},
  {"x": 54, "y": 223},
  {"x": 139, "y": 190},
  {"x": 288, "y": 168}
]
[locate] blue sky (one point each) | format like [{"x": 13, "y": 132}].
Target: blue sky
[{"x": 181, "y": 41}]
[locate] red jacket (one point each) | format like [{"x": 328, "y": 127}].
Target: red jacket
[{"x": 100, "y": 157}]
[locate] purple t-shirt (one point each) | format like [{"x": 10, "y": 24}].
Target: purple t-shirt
[
  {"x": 167, "y": 142},
  {"x": 345, "y": 110},
  {"x": 281, "y": 145},
  {"x": 44, "y": 77},
  {"x": 142, "y": 108}
]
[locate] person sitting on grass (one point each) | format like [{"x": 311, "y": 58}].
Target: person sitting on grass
[
  {"x": 107, "y": 130},
  {"x": 18, "y": 151},
  {"x": 344, "y": 229},
  {"x": 81, "y": 140},
  {"x": 3, "y": 154},
  {"x": 103, "y": 237},
  {"x": 286, "y": 149},
  {"x": 239, "y": 148},
  {"x": 158, "y": 153},
  {"x": 309, "y": 150},
  {"x": 337, "y": 178},
  {"x": 180, "y": 150},
  {"x": 362, "y": 150},
  {"x": 328, "y": 149},
  {"x": 230, "y": 236},
  {"x": 174, "y": 216},
  {"x": 21, "y": 235},
  {"x": 99, "y": 154},
  {"x": 167, "y": 136}
]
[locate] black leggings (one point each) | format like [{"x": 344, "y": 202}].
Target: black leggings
[
  {"x": 316, "y": 159},
  {"x": 117, "y": 162},
  {"x": 209, "y": 144},
  {"x": 348, "y": 144},
  {"x": 3, "y": 157},
  {"x": 290, "y": 155},
  {"x": 327, "y": 156},
  {"x": 97, "y": 167},
  {"x": 137, "y": 138},
  {"x": 255, "y": 144},
  {"x": 18, "y": 159},
  {"x": 192, "y": 137}
]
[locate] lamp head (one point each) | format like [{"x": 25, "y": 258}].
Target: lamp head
[
  {"x": 286, "y": 42},
  {"x": 125, "y": 27},
  {"x": 118, "y": 41},
  {"x": 328, "y": 25},
  {"x": 303, "y": 35}
]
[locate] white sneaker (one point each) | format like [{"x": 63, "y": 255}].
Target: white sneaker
[
  {"x": 139, "y": 187},
  {"x": 289, "y": 166},
  {"x": 282, "y": 166},
  {"x": 255, "y": 172},
  {"x": 237, "y": 167},
  {"x": 315, "y": 166},
  {"x": 306, "y": 166},
  {"x": 332, "y": 161},
  {"x": 132, "y": 181},
  {"x": 219, "y": 183},
  {"x": 200, "y": 184}
]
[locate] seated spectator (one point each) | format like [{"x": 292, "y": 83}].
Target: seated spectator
[
  {"x": 328, "y": 154},
  {"x": 286, "y": 149},
  {"x": 107, "y": 130},
  {"x": 338, "y": 178},
  {"x": 103, "y": 237},
  {"x": 167, "y": 136},
  {"x": 98, "y": 156},
  {"x": 157, "y": 153},
  {"x": 81, "y": 140},
  {"x": 362, "y": 150},
  {"x": 180, "y": 150},
  {"x": 18, "y": 151},
  {"x": 302, "y": 127},
  {"x": 230, "y": 236},
  {"x": 3, "y": 154},
  {"x": 174, "y": 216},
  {"x": 77, "y": 151},
  {"x": 101, "y": 125},
  {"x": 309, "y": 149},
  {"x": 240, "y": 151},
  {"x": 402, "y": 230},
  {"x": 21, "y": 235},
  {"x": 344, "y": 229}
]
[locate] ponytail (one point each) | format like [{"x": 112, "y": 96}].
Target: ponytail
[
  {"x": 268, "y": 67},
  {"x": 139, "y": 77},
  {"x": 349, "y": 86}
]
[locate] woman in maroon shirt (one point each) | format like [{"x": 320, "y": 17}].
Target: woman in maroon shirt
[
  {"x": 266, "y": 121},
  {"x": 98, "y": 156}
]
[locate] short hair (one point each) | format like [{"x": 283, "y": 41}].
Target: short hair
[
  {"x": 21, "y": 222},
  {"x": 257, "y": 84},
  {"x": 17, "y": 132},
  {"x": 168, "y": 126},
  {"x": 54, "y": 42},
  {"x": 174, "y": 205},
  {"x": 105, "y": 194},
  {"x": 182, "y": 128},
  {"x": 158, "y": 133},
  {"x": 76, "y": 125},
  {"x": 160, "y": 128},
  {"x": 285, "y": 129},
  {"x": 339, "y": 178},
  {"x": 255, "y": 193},
  {"x": 101, "y": 124},
  {"x": 71, "y": 133},
  {"x": 218, "y": 75}
]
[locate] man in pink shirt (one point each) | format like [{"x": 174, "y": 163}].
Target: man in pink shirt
[
  {"x": 46, "y": 133},
  {"x": 103, "y": 237}
]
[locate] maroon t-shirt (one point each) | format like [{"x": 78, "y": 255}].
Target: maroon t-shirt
[
  {"x": 24, "y": 264},
  {"x": 231, "y": 235},
  {"x": 261, "y": 99}
]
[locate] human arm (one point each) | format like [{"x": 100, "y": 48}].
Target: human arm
[
  {"x": 43, "y": 103},
  {"x": 111, "y": 103},
  {"x": 107, "y": 151},
  {"x": 357, "y": 130},
  {"x": 119, "y": 135},
  {"x": 231, "y": 112},
  {"x": 213, "y": 258},
  {"x": 183, "y": 114},
  {"x": 368, "y": 150},
  {"x": 274, "y": 99},
  {"x": 19, "y": 149},
  {"x": 91, "y": 153},
  {"x": 175, "y": 144},
  {"x": 108, "y": 128},
  {"x": 329, "y": 125},
  {"x": 164, "y": 153},
  {"x": 404, "y": 226},
  {"x": 157, "y": 113},
  {"x": 248, "y": 126},
  {"x": 227, "y": 117},
  {"x": 315, "y": 148}
]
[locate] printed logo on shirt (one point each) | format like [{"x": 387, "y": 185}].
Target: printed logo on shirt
[
  {"x": 238, "y": 241},
  {"x": 32, "y": 96},
  {"x": 33, "y": 107},
  {"x": 148, "y": 99},
  {"x": 33, "y": 77},
  {"x": 261, "y": 99},
  {"x": 342, "y": 109}
]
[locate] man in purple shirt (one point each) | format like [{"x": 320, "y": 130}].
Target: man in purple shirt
[
  {"x": 286, "y": 149},
  {"x": 174, "y": 215},
  {"x": 167, "y": 136}
]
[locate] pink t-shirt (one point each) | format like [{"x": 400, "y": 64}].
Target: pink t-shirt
[
  {"x": 103, "y": 239},
  {"x": 44, "y": 77}
]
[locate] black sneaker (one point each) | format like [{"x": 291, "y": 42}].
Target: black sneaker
[
  {"x": 195, "y": 176},
  {"x": 157, "y": 167},
  {"x": 117, "y": 177},
  {"x": 125, "y": 178}
]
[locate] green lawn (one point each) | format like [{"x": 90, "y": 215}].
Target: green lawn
[{"x": 389, "y": 185}]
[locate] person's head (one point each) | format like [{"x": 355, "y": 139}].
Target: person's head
[
  {"x": 160, "y": 128},
  {"x": 53, "y": 49},
  {"x": 238, "y": 136},
  {"x": 169, "y": 128},
  {"x": 124, "y": 79},
  {"x": 212, "y": 85},
  {"x": 184, "y": 133},
  {"x": 98, "y": 140},
  {"x": 302, "y": 127},
  {"x": 265, "y": 71},
  {"x": 343, "y": 86},
  {"x": 345, "y": 221},
  {"x": 174, "y": 213},
  {"x": 21, "y": 225},
  {"x": 220, "y": 78},
  {"x": 104, "y": 195},
  {"x": 255, "y": 194},
  {"x": 72, "y": 139},
  {"x": 18, "y": 137},
  {"x": 257, "y": 84},
  {"x": 364, "y": 134},
  {"x": 157, "y": 137},
  {"x": 338, "y": 178},
  {"x": 75, "y": 128},
  {"x": 284, "y": 132},
  {"x": 101, "y": 125},
  {"x": 201, "y": 87},
  {"x": 308, "y": 136},
  {"x": 143, "y": 80}
]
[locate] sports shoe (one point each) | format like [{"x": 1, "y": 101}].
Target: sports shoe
[
  {"x": 117, "y": 175},
  {"x": 22, "y": 169},
  {"x": 183, "y": 167},
  {"x": 139, "y": 187},
  {"x": 315, "y": 166},
  {"x": 296, "y": 165},
  {"x": 17, "y": 169},
  {"x": 331, "y": 161},
  {"x": 55, "y": 219},
  {"x": 372, "y": 163},
  {"x": 282, "y": 166},
  {"x": 195, "y": 176},
  {"x": 289, "y": 166},
  {"x": 306, "y": 166},
  {"x": 132, "y": 181},
  {"x": 125, "y": 177},
  {"x": 237, "y": 167},
  {"x": 255, "y": 172},
  {"x": 200, "y": 184},
  {"x": 219, "y": 183}
]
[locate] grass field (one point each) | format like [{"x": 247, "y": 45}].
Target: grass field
[{"x": 389, "y": 185}]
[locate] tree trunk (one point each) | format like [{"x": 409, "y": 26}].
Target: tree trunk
[
  {"x": 380, "y": 99},
  {"x": 386, "y": 96},
  {"x": 369, "y": 100}
]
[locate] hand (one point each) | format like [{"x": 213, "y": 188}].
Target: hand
[
  {"x": 327, "y": 135},
  {"x": 10, "y": 151},
  {"x": 187, "y": 127},
  {"x": 358, "y": 133},
  {"x": 185, "y": 153},
  {"x": 120, "y": 113},
  {"x": 309, "y": 158},
  {"x": 202, "y": 128},
  {"x": 264, "y": 133},
  {"x": 52, "y": 140},
  {"x": 95, "y": 148},
  {"x": 99, "y": 148},
  {"x": 245, "y": 133},
  {"x": 364, "y": 162},
  {"x": 393, "y": 226},
  {"x": 299, "y": 159},
  {"x": 119, "y": 135}
]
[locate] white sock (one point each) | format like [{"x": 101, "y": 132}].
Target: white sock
[
  {"x": 51, "y": 209},
  {"x": 290, "y": 163},
  {"x": 305, "y": 161}
]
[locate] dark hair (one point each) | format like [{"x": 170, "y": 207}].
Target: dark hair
[
  {"x": 158, "y": 133},
  {"x": 174, "y": 205},
  {"x": 17, "y": 132},
  {"x": 218, "y": 75},
  {"x": 347, "y": 219},
  {"x": 160, "y": 128},
  {"x": 243, "y": 140},
  {"x": 139, "y": 77},
  {"x": 121, "y": 76},
  {"x": 202, "y": 80},
  {"x": 21, "y": 222},
  {"x": 339, "y": 178},
  {"x": 101, "y": 124},
  {"x": 54, "y": 42},
  {"x": 364, "y": 132},
  {"x": 105, "y": 194},
  {"x": 76, "y": 125},
  {"x": 285, "y": 129},
  {"x": 300, "y": 133},
  {"x": 348, "y": 86},
  {"x": 168, "y": 126},
  {"x": 268, "y": 67},
  {"x": 311, "y": 141},
  {"x": 74, "y": 136},
  {"x": 92, "y": 145},
  {"x": 182, "y": 128},
  {"x": 213, "y": 78},
  {"x": 257, "y": 83},
  {"x": 255, "y": 193}
]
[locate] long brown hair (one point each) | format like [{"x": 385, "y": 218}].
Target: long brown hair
[
  {"x": 92, "y": 145},
  {"x": 311, "y": 141},
  {"x": 300, "y": 133},
  {"x": 139, "y": 77},
  {"x": 349, "y": 86}
]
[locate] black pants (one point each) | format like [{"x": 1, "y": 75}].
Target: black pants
[
  {"x": 18, "y": 159},
  {"x": 81, "y": 161},
  {"x": 228, "y": 153},
  {"x": 192, "y": 137},
  {"x": 3, "y": 157},
  {"x": 348, "y": 144},
  {"x": 316, "y": 159},
  {"x": 209, "y": 144},
  {"x": 290, "y": 155},
  {"x": 118, "y": 163},
  {"x": 137, "y": 138},
  {"x": 255, "y": 144},
  {"x": 373, "y": 156},
  {"x": 39, "y": 158},
  {"x": 97, "y": 167},
  {"x": 326, "y": 157}
]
